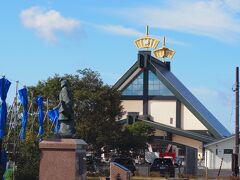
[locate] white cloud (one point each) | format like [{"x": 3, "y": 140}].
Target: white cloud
[
  {"x": 213, "y": 95},
  {"x": 46, "y": 23},
  {"x": 232, "y": 4},
  {"x": 172, "y": 41},
  {"x": 220, "y": 102},
  {"x": 203, "y": 91},
  {"x": 124, "y": 31},
  {"x": 120, "y": 30},
  {"x": 212, "y": 18}
]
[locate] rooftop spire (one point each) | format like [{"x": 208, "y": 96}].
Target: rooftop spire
[
  {"x": 146, "y": 30},
  {"x": 163, "y": 42}
]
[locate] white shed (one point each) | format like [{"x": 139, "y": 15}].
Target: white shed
[{"x": 220, "y": 151}]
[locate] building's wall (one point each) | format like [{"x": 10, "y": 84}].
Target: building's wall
[
  {"x": 132, "y": 106},
  {"x": 213, "y": 161},
  {"x": 189, "y": 121},
  {"x": 189, "y": 142},
  {"x": 162, "y": 111}
]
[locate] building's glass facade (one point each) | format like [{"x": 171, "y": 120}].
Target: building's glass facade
[
  {"x": 156, "y": 87},
  {"x": 135, "y": 88}
]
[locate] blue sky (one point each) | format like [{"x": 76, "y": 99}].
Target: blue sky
[{"x": 40, "y": 38}]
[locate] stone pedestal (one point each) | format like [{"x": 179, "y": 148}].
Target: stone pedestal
[
  {"x": 119, "y": 172},
  {"x": 62, "y": 159}
]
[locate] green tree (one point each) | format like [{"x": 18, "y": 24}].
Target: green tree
[
  {"x": 134, "y": 137},
  {"x": 27, "y": 160},
  {"x": 96, "y": 105}
]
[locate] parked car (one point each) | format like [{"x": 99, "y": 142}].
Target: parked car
[
  {"x": 180, "y": 161},
  {"x": 126, "y": 162},
  {"x": 91, "y": 164},
  {"x": 164, "y": 166}
]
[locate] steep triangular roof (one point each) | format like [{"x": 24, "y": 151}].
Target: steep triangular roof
[{"x": 161, "y": 70}]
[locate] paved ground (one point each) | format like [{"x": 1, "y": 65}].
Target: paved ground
[{"x": 143, "y": 174}]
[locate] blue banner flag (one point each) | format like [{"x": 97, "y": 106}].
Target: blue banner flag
[
  {"x": 39, "y": 101},
  {"x": 4, "y": 87},
  {"x": 54, "y": 116},
  {"x": 24, "y": 101}
]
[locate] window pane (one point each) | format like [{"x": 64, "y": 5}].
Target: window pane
[
  {"x": 135, "y": 88},
  {"x": 156, "y": 87}
]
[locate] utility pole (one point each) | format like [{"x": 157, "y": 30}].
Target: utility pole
[
  {"x": 16, "y": 131},
  {"x": 236, "y": 168}
]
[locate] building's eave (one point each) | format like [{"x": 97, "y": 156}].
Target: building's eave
[
  {"x": 179, "y": 131},
  {"x": 126, "y": 76}
]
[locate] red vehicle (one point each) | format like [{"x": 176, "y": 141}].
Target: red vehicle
[{"x": 168, "y": 155}]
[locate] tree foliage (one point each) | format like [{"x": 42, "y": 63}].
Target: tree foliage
[
  {"x": 27, "y": 160},
  {"x": 135, "y": 136},
  {"x": 96, "y": 105}
]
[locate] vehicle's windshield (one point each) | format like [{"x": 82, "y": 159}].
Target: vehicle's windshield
[{"x": 163, "y": 161}]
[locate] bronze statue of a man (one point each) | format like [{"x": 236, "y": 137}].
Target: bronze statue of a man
[{"x": 66, "y": 113}]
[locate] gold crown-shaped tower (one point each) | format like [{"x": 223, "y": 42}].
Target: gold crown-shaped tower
[
  {"x": 146, "y": 41},
  {"x": 149, "y": 42},
  {"x": 164, "y": 52}
]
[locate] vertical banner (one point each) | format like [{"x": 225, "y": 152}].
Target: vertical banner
[
  {"x": 39, "y": 101},
  {"x": 54, "y": 116},
  {"x": 24, "y": 101},
  {"x": 4, "y": 87}
]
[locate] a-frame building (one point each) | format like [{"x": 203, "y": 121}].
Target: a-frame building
[{"x": 150, "y": 90}]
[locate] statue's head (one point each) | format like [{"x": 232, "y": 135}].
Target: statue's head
[{"x": 63, "y": 83}]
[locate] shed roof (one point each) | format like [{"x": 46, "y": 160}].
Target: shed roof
[{"x": 220, "y": 141}]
